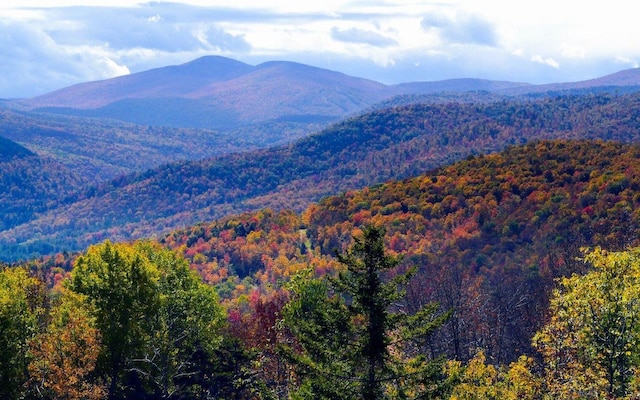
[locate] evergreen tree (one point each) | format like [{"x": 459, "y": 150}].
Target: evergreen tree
[{"x": 349, "y": 341}]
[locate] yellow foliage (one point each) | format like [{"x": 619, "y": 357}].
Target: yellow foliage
[{"x": 481, "y": 381}]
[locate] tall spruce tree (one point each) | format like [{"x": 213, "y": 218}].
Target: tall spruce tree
[{"x": 350, "y": 339}]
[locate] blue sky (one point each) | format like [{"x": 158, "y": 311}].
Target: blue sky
[{"x": 49, "y": 44}]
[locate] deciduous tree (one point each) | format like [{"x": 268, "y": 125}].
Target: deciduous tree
[{"x": 591, "y": 344}]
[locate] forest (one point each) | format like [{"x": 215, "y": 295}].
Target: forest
[
  {"x": 368, "y": 149},
  {"x": 510, "y": 275}
]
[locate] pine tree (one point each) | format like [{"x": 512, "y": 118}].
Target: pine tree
[{"x": 350, "y": 343}]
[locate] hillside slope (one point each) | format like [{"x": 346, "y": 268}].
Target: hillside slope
[
  {"x": 488, "y": 234},
  {"x": 30, "y": 184},
  {"x": 373, "y": 148},
  {"x": 105, "y": 149},
  {"x": 10, "y": 150}
]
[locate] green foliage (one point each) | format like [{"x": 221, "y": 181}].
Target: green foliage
[
  {"x": 352, "y": 344},
  {"x": 20, "y": 308},
  {"x": 158, "y": 323}
]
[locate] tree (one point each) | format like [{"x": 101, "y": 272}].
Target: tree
[
  {"x": 159, "y": 324},
  {"x": 19, "y": 320},
  {"x": 591, "y": 343},
  {"x": 188, "y": 327},
  {"x": 350, "y": 342},
  {"x": 65, "y": 354},
  {"x": 121, "y": 287},
  {"x": 481, "y": 381}
]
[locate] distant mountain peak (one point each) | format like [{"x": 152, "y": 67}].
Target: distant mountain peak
[{"x": 215, "y": 67}]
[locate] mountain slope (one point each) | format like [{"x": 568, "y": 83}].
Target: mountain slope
[
  {"x": 460, "y": 85},
  {"x": 10, "y": 150},
  {"x": 382, "y": 145},
  {"x": 626, "y": 79},
  {"x": 30, "y": 184},
  {"x": 171, "y": 81},
  {"x": 488, "y": 235},
  {"x": 105, "y": 149}
]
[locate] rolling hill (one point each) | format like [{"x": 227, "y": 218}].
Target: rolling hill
[
  {"x": 488, "y": 234},
  {"x": 373, "y": 148},
  {"x": 105, "y": 149}
]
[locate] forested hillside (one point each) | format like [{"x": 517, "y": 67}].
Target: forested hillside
[
  {"x": 11, "y": 150},
  {"x": 488, "y": 234},
  {"x": 373, "y": 148},
  {"x": 488, "y": 237},
  {"x": 32, "y": 184},
  {"x": 105, "y": 149}
]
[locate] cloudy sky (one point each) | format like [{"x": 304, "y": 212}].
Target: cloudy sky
[{"x": 49, "y": 44}]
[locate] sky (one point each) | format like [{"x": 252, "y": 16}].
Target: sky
[{"x": 50, "y": 44}]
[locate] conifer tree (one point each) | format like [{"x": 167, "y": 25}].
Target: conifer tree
[{"x": 350, "y": 342}]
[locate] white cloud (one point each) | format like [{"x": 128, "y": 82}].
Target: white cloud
[
  {"x": 546, "y": 61},
  {"x": 357, "y": 35},
  {"x": 461, "y": 28},
  {"x": 570, "y": 51},
  {"x": 631, "y": 63},
  {"x": 46, "y": 44}
]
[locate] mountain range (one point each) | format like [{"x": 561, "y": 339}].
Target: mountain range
[
  {"x": 219, "y": 93},
  {"x": 76, "y": 169}
]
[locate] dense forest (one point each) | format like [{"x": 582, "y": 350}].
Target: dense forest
[
  {"x": 510, "y": 276},
  {"x": 392, "y": 143}
]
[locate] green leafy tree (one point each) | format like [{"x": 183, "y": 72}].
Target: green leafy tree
[
  {"x": 19, "y": 320},
  {"x": 591, "y": 344},
  {"x": 350, "y": 342},
  {"x": 158, "y": 322},
  {"x": 187, "y": 332},
  {"x": 122, "y": 287}
]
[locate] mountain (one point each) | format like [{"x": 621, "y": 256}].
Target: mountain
[
  {"x": 170, "y": 81},
  {"x": 623, "y": 81},
  {"x": 372, "y": 148},
  {"x": 217, "y": 93},
  {"x": 461, "y": 85}
]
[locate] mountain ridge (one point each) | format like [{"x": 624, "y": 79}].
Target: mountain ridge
[{"x": 216, "y": 92}]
